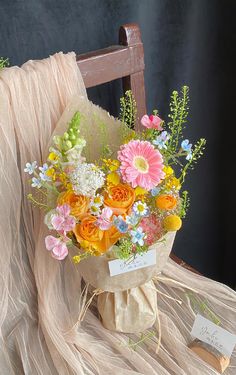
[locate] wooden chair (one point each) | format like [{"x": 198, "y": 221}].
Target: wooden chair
[{"x": 125, "y": 61}]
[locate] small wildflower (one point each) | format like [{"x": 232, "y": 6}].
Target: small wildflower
[
  {"x": 104, "y": 220},
  {"x": 155, "y": 191},
  {"x": 187, "y": 147},
  {"x": 120, "y": 224},
  {"x": 51, "y": 173},
  {"x": 137, "y": 236},
  {"x": 95, "y": 210},
  {"x": 86, "y": 179},
  {"x": 112, "y": 165},
  {"x": 97, "y": 200},
  {"x": 161, "y": 140},
  {"x": 76, "y": 259},
  {"x": 140, "y": 208},
  {"x": 132, "y": 219},
  {"x": 53, "y": 157},
  {"x": 173, "y": 183},
  {"x": 36, "y": 182},
  {"x": 140, "y": 191},
  {"x": 30, "y": 167},
  {"x": 43, "y": 174},
  {"x": 168, "y": 171}
]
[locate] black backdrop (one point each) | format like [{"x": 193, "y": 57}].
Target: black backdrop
[{"x": 186, "y": 42}]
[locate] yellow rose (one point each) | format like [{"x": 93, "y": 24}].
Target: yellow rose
[
  {"x": 79, "y": 204},
  {"x": 119, "y": 198},
  {"x": 166, "y": 202},
  {"x": 100, "y": 240},
  {"x": 172, "y": 223}
]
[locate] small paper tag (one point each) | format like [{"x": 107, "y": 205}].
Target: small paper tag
[
  {"x": 208, "y": 332},
  {"x": 118, "y": 266}
]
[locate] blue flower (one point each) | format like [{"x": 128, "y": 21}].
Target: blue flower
[
  {"x": 189, "y": 156},
  {"x": 43, "y": 175},
  {"x": 137, "y": 236},
  {"x": 44, "y": 168},
  {"x": 120, "y": 224},
  {"x": 132, "y": 220},
  {"x": 36, "y": 182},
  {"x": 155, "y": 191},
  {"x": 30, "y": 168},
  {"x": 161, "y": 140},
  {"x": 140, "y": 208},
  {"x": 186, "y": 146}
]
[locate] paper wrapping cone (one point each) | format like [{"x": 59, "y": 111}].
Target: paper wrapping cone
[
  {"x": 95, "y": 270},
  {"x": 131, "y": 311},
  {"x": 129, "y": 301}
]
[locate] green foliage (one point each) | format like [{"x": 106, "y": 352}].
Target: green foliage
[
  {"x": 202, "y": 307},
  {"x": 196, "y": 154},
  {"x": 128, "y": 110},
  {"x": 124, "y": 249},
  {"x": 178, "y": 116},
  {"x": 3, "y": 62},
  {"x": 185, "y": 203},
  {"x": 143, "y": 338}
]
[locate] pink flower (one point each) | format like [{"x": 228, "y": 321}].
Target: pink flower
[
  {"x": 141, "y": 164},
  {"x": 104, "y": 220},
  {"x": 152, "y": 227},
  {"x": 151, "y": 122},
  {"x": 63, "y": 222},
  {"x": 57, "y": 246}
]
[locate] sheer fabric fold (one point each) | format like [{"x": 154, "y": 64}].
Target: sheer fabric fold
[{"x": 40, "y": 297}]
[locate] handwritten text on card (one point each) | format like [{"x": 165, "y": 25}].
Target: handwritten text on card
[{"x": 118, "y": 266}]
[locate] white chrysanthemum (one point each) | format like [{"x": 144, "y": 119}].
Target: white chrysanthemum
[{"x": 86, "y": 179}]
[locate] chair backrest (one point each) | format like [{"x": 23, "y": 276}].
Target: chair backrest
[{"x": 125, "y": 61}]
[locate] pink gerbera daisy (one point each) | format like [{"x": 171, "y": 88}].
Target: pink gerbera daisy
[{"x": 141, "y": 164}]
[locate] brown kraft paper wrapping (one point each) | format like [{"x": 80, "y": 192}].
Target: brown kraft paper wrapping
[
  {"x": 131, "y": 311},
  {"x": 95, "y": 270},
  {"x": 129, "y": 300}
]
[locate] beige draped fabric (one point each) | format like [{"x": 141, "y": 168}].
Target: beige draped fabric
[{"x": 40, "y": 297}]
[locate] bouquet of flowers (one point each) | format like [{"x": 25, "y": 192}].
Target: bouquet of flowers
[{"x": 122, "y": 204}]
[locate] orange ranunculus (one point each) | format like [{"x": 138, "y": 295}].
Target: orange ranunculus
[
  {"x": 166, "y": 202},
  {"x": 79, "y": 203},
  {"x": 100, "y": 240},
  {"x": 119, "y": 198}
]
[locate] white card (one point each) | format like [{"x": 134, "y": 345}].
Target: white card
[
  {"x": 208, "y": 332},
  {"x": 118, "y": 266}
]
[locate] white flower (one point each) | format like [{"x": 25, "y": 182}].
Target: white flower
[
  {"x": 95, "y": 210},
  {"x": 74, "y": 154},
  {"x": 86, "y": 179},
  {"x": 30, "y": 168},
  {"x": 97, "y": 200},
  {"x": 140, "y": 208}
]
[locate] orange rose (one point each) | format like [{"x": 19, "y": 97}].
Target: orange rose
[
  {"x": 100, "y": 240},
  {"x": 120, "y": 198},
  {"x": 79, "y": 203},
  {"x": 166, "y": 202}
]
